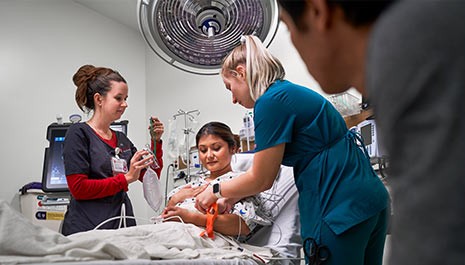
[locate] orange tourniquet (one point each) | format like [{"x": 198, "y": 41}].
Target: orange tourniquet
[{"x": 212, "y": 213}]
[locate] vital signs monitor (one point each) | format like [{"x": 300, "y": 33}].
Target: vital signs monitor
[{"x": 53, "y": 174}]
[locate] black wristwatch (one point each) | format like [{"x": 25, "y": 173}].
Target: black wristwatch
[{"x": 217, "y": 191}]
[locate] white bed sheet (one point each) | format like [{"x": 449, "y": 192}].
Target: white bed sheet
[
  {"x": 235, "y": 261},
  {"x": 23, "y": 242}
]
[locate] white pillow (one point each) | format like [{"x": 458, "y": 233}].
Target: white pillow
[{"x": 241, "y": 162}]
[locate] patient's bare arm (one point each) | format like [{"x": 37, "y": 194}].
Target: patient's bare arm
[{"x": 226, "y": 224}]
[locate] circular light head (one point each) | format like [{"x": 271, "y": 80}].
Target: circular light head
[{"x": 195, "y": 35}]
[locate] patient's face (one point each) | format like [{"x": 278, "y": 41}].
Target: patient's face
[{"x": 215, "y": 155}]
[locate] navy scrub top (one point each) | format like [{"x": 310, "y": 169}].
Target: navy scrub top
[
  {"x": 84, "y": 152},
  {"x": 335, "y": 180}
]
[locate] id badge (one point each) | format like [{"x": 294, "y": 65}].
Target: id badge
[{"x": 119, "y": 165}]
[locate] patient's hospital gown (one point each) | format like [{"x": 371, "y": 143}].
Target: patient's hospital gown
[{"x": 253, "y": 210}]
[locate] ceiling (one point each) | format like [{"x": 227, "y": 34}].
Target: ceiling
[{"x": 123, "y": 11}]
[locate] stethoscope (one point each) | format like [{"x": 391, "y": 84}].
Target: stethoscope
[{"x": 316, "y": 254}]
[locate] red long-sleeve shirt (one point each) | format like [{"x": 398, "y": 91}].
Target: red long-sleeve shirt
[{"x": 83, "y": 188}]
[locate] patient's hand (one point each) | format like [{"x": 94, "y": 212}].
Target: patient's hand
[
  {"x": 186, "y": 192},
  {"x": 186, "y": 215}
]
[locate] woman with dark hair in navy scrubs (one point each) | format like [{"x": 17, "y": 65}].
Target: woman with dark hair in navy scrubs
[{"x": 100, "y": 163}]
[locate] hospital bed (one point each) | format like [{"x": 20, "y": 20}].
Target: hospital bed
[{"x": 153, "y": 244}]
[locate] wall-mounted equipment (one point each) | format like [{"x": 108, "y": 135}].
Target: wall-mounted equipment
[
  {"x": 379, "y": 158},
  {"x": 371, "y": 140},
  {"x": 195, "y": 35}
]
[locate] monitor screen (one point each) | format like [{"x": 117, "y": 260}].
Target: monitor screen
[
  {"x": 53, "y": 175},
  {"x": 366, "y": 133},
  {"x": 121, "y": 126}
]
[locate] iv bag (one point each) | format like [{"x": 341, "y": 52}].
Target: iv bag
[
  {"x": 152, "y": 189},
  {"x": 172, "y": 146}
]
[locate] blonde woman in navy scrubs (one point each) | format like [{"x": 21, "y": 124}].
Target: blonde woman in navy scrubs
[{"x": 343, "y": 204}]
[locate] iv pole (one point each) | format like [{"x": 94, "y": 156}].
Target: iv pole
[{"x": 187, "y": 115}]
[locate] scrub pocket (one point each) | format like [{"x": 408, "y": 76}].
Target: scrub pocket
[{"x": 310, "y": 214}]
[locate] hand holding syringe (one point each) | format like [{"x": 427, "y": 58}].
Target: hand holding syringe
[{"x": 156, "y": 130}]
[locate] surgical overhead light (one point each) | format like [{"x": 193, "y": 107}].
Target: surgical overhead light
[{"x": 195, "y": 35}]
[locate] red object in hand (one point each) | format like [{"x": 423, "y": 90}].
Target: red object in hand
[{"x": 212, "y": 213}]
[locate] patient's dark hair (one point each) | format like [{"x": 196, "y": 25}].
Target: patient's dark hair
[
  {"x": 90, "y": 80},
  {"x": 357, "y": 12},
  {"x": 218, "y": 129}
]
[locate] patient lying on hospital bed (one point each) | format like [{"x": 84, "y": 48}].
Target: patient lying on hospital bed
[
  {"x": 250, "y": 218},
  {"x": 217, "y": 145}
]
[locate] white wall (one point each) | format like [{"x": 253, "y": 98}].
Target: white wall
[{"x": 44, "y": 42}]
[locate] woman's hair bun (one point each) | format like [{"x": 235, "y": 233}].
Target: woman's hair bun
[{"x": 84, "y": 74}]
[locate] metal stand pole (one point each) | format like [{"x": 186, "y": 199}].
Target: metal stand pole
[{"x": 187, "y": 115}]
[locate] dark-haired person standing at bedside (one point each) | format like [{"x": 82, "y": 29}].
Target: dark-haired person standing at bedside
[{"x": 101, "y": 163}]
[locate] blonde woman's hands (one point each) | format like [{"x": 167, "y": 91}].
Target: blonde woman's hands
[
  {"x": 140, "y": 160},
  {"x": 225, "y": 205},
  {"x": 157, "y": 130},
  {"x": 205, "y": 199}
]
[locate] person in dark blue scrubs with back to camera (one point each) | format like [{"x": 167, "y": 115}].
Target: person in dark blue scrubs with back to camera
[
  {"x": 100, "y": 163},
  {"x": 407, "y": 58},
  {"x": 343, "y": 203}
]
